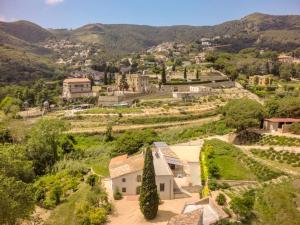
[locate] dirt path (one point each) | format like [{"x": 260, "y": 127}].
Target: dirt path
[{"x": 143, "y": 126}]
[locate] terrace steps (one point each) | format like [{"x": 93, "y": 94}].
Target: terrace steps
[{"x": 237, "y": 190}]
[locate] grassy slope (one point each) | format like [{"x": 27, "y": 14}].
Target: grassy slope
[
  {"x": 189, "y": 132},
  {"x": 18, "y": 65},
  {"x": 96, "y": 152},
  {"x": 64, "y": 214},
  {"x": 276, "y": 204},
  {"x": 231, "y": 168}
]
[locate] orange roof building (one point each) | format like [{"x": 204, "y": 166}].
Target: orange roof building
[{"x": 74, "y": 88}]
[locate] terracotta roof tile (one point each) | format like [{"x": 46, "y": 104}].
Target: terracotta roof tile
[
  {"x": 284, "y": 120},
  {"x": 77, "y": 80},
  {"x": 122, "y": 165}
]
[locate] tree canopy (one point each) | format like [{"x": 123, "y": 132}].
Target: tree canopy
[
  {"x": 43, "y": 143},
  {"x": 16, "y": 200},
  {"x": 283, "y": 107},
  {"x": 243, "y": 113}
]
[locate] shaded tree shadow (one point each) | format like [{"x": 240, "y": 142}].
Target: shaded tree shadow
[{"x": 163, "y": 216}]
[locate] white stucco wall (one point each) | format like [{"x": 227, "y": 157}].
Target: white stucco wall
[
  {"x": 168, "y": 192},
  {"x": 131, "y": 184}
]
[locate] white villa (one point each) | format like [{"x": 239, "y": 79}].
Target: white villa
[{"x": 126, "y": 172}]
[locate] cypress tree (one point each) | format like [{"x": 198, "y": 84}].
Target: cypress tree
[
  {"x": 197, "y": 75},
  {"x": 149, "y": 199},
  {"x": 123, "y": 83},
  {"x": 185, "y": 74},
  {"x": 105, "y": 76},
  {"x": 163, "y": 75}
]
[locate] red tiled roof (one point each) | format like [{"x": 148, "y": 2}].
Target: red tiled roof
[
  {"x": 77, "y": 80},
  {"x": 118, "y": 159},
  {"x": 123, "y": 164},
  {"x": 284, "y": 120}
]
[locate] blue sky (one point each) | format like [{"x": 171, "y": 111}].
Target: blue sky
[{"x": 74, "y": 13}]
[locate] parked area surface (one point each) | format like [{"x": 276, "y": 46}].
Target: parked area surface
[{"x": 127, "y": 211}]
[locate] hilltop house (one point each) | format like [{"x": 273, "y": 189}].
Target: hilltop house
[
  {"x": 126, "y": 172},
  {"x": 77, "y": 88}
]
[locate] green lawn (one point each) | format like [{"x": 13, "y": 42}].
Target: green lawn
[
  {"x": 276, "y": 204},
  {"x": 224, "y": 156},
  {"x": 232, "y": 169}
]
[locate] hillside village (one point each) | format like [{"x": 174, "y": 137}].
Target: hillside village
[{"x": 177, "y": 133}]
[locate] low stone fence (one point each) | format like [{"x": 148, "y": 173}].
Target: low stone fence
[{"x": 237, "y": 182}]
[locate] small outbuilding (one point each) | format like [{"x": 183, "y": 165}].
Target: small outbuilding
[{"x": 279, "y": 124}]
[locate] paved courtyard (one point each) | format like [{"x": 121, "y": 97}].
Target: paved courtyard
[{"x": 127, "y": 211}]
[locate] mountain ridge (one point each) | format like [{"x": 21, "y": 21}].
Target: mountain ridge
[{"x": 126, "y": 38}]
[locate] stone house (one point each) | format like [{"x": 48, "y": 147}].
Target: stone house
[
  {"x": 136, "y": 83},
  {"x": 76, "y": 88},
  {"x": 265, "y": 80}
]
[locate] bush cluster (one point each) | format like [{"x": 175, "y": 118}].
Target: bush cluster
[
  {"x": 279, "y": 140},
  {"x": 94, "y": 209},
  {"x": 279, "y": 156},
  {"x": 130, "y": 142},
  {"x": 262, "y": 172},
  {"x": 49, "y": 190}
]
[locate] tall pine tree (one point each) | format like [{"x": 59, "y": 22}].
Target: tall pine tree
[{"x": 149, "y": 199}]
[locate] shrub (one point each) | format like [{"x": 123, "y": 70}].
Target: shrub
[
  {"x": 295, "y": 128},
  {"x": 97, "y": 216},
  {"x": 117, "y": 194},
  {"x": 55, "y": 194},
  {"x": 224, "y": 185},
  {"x": 224, "y": 222},
  {"x": 213, "y": 185},
  {"x": 5, "y": 135},
  {"x": 92, "y": 179},
  {"x": 221, "y": 199},
  {"x": 243, "y": 205}
]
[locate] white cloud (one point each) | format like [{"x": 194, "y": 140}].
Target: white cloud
[
  {"x": 53, "y": 2},
  {"x": 2, "y": 18},
  {"x": 6, "y": 19}
]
